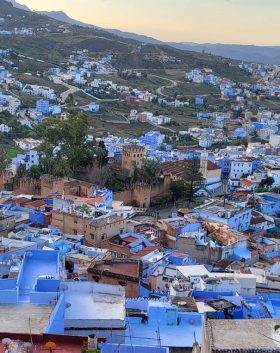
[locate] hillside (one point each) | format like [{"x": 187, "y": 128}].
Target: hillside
[
  {"x": 53, "y": 41},
  {"x": 262, "y": 54},
  {"x": 253, "y": 53}
]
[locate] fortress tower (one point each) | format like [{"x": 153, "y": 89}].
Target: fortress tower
[{"x": 132, "y": 154}]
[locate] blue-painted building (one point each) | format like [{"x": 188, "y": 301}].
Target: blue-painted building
[
  {"x": 229, "y": 91},
  {"x": 204, "y": 115},
  {"x": 225, "y": 165},
  {"x": 166, "y": 325},
  {"x": 54, "y": 70},
  {"x": 256, "y": 164},
  {"x": 258, "y": 125},
  {"x": 199, "y": 101},
  {"x": 240, "y": 132},
  {"x": 105, "y": 194},
  {"x": 38, "y": 284},
  {"x": 270, "y": 203},
  {"x": 43, "y": 106},
  {"x": 230, "y": 214},
  {"x": 153, "y": 139}
]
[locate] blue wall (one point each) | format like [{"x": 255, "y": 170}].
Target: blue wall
[
  {"x": 47, "y": 285},
  {"x": 9, "y": 283},
  {"x": 14, "y": 253},
  {"x": 56, "y": 322},
  {"x": 37, "y": 217},
  {"x": 113, "y": 348},
  {"x": 42, "y": 297},
  {"x": 211, "y": 295},
  {"x": 8, "y": 296}
]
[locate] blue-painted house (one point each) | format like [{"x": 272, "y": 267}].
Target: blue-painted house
[
  {"x": 153, "y": 139},
  {"x": 270, "y": 203},
  {"x": 225, "y": 165},
  {"x": 199, "y": 101},
  {"x": 43, "y": 106}
]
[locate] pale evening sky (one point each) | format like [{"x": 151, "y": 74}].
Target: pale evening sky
[{"x": 223, "y": 21}]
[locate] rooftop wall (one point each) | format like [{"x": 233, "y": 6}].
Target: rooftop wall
[
  {"x": 35, "y": 264},
  {"x": 7, "y": 284},
  {"x": 140, "y": 303},
  {"x": 8, "y": 296},
  {"x": 56, "y": 321},
  {"x": 112, "y": 348}
]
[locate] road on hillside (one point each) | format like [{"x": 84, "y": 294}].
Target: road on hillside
[
  {"x": 100, "y": 99},
  {"x": 159, "y": 90},
  {"x": 71, "y": 90}
]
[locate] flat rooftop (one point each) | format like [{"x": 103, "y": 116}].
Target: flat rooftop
[
  {"x": 169, "y": 336},
  {"x": 16, "y": 318},
  {"x": 245, "y": 335},
  {"x": 218, "y": 206},
  {"x": 193, "y": 271},
  {"x": 94, "y": 305},
  {"x": 118, "y": 268}
]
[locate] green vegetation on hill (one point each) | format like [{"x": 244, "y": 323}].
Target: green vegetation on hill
[{"x": 54, "y": 43}]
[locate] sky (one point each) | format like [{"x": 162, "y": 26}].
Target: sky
[{"x": 202, "y": 21}]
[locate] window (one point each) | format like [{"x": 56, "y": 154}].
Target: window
[
  {"x": 92, "y": 236},
  {"x": 75, "y": 222}
]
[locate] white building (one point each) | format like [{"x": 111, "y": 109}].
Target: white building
[
  {"x": 27, "y": 144},
  {"x": 5, "y": 129},
  {"x": 240, "y": 283},
  {"x": 41, "y": 91},
  {"x": 29, "y": 159},
  {"x": 205, "y": 141},
  {"x": 93, "y": 107},
  {"x": 241, "y": 167},
  {"x": 274, "y": 172}
]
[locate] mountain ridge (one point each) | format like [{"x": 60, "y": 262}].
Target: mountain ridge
[
  {"x": 19, "y": 6},
  {"x": 252, "y": 53},
  {"x": 257, "y": 53}
]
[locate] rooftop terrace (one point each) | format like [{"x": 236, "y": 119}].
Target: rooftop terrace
[
  {"x": 244, "y": 335},
  {"x": 23, "y": 318}
]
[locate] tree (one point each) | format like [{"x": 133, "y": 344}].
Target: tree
[
  {"x": 21, "y": 171},
  {"x": 70, "y": 99},
  {"x": 34, "y": 172},
  {"x": 267, "y": 182},
  {"x": 150, "y": 170},
  {"x": 68, "y": 139},
  {"x": 243, "y": 142},
  {"x": 3, "y": 160},
  {"x": 101, "y": 155},
  {"x": 192, "y": 178},
  {"x": 62, "y": 168},
  {"x": 178, "y": 189}
]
